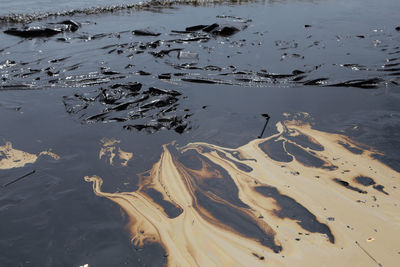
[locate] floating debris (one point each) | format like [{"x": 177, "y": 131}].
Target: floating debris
[
  {"x": 19, "y": 178},
  {"x": 44, "y": 31}
]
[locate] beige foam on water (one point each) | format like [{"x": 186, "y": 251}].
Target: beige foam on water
[
  {"x": 268, "y": 181},
  {"x": 14, "y": 158},
  {"x": 109, "y": 151}
]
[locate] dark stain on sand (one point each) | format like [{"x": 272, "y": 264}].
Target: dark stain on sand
[
  {"x": 275, "y": 150},
  {"x": 170, "y": 209},
  {"x": 367, "y": 181},
  {"x": 348, "y": 186},
  {"x": 216, "y": 198},
  {"x": 291, "y": 209}
]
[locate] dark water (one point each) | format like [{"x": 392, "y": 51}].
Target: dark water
[
  {"x": 336, "y": 60},
  {"x": 37, "y": 6}
]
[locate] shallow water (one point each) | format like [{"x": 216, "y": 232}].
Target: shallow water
[
  {"x": 75, "y": 94},
  {"x": 35, "y": 6}
]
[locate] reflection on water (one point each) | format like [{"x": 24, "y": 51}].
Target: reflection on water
[{"x": 205, "y": 208}]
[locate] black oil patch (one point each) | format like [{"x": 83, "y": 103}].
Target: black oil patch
[
  {"x": 304, "y": 157},
  {"x": 290, "y": 208},
  {"x": 350, "y": 148},
  {"x": 237, "y": 220},
  {"x": 190, "y": 159},
  {"x": 390, "y": 161},
  {"x": 239, "y": 165},
  {"x": 209, "y": 177},
  {"x": 348, "y": 186},
  {"x": 205, "y": 81},
  {"x": 367, "y": 181},
  {"x": 380, "y": 189},
  {"x": 170, "y": 209},
  {"x": 305, "y": 141},
  {"x": 275, "y": 150}
]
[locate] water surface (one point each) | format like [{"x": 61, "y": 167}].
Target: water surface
[{"x": 332, "y": 65}]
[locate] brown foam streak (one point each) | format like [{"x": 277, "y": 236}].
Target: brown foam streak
[
  {"x": 196, "y": 237},
  {"x": 192, "y": 180},
  {"x": 13, "y": 158},
  {"x": 151, "y": 180},
  {"x": 258, "y": 203},
  {"x": 140, "y": 229},
  {"x": 322, "y": 197},
  {"x": 188, "y": 239},
  {"x": 356, "y": 164}
]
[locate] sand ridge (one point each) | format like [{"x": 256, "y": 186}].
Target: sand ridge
[{"x": 291, "y": 198}]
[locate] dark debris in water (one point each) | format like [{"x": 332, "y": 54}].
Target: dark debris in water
[
  {"x": 145, "y": 33},
  {"x": 214, "y": 29},
  {"x": 29, "y": 32},
  {"x": 190, "y": 56},
  {"x": 364, "y": 84},
  {"x": 152, "y": 110},
  {"x": 178, "y": 50},
  {"x": 44, "y": 30}
]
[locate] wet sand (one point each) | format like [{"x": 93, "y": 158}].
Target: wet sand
[{"x": 162, "y": 117}]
